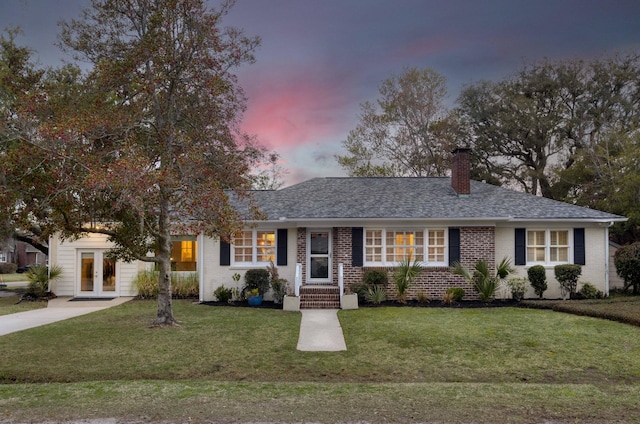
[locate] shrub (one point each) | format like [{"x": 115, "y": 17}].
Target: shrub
[
  {"x": 627, "y": 262},
  {"x": 361, "y": 289},
  {"x": 567, "y": 275},
  {"x": 448, "y": 298},
  {"x": 256, "y": 279},
  {"x": 8, "y": 268},
  {"x": 456, "y": 293},
  {"x": 518, "y": 288},
  {"x": 376, "y": 294},
  {"x": 280, "y": 286},
  {"x": 538, "y": 278},
  {"x": 185, "y": 286},
  {"x": 223, "y": 294},
  {"x": 404, "y": 275},
  {"x": 422, "y": 297},
  {"x": 374, "y": 277},
  {"x": 483, "y": 282},
  {"x": 39, "y": 277},
  {"x": 589, "y": 291},
  {"x": 146, "y": 284}
]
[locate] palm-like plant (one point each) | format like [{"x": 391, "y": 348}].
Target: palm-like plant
[
  {"x": 481, "y": 279},
  {"x": 39, "y": 277},
  {"x": 404, "y": 275}
]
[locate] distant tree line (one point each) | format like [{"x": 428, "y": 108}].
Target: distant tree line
[{"x": 566, "y": 130}]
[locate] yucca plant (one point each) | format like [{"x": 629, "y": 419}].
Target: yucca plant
[
  {"x": 481, "y": 279},
  {"x": 376, "y": 294},
  {"x": 39, "y": 277},
  {"x": 403, "y": 276}
]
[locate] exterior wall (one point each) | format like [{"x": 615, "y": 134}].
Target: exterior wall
[
  {"x": 594, "y": 272},
  {"x": 65, "y": 254},
  {"x": 476, "y": 243},
  {"x": 213, "y": 275},
  {"x": 615, "y": 282}
]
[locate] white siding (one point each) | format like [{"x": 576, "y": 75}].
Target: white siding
[
  {"x": 65, "y": 254},
  {"x": 594, "y": 272},
  {"x": 216, "y": 275}
]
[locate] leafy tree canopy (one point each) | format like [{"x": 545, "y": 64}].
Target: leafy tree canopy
[
  {"x": 143, "y": 146},
  {"x": 406, "y": 133}
]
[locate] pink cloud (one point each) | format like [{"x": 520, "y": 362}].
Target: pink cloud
[{"x": 290, "y": 109}]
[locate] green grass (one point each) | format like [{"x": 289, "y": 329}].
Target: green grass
[
  {"x": 10, "y": 305},
  {"x": 402, "y": 364},
  {"x": 12, "y": 278}
]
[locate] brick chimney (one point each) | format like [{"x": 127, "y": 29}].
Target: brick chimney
[{"x": 461, "y": 171}]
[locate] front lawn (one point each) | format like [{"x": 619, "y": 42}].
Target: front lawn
[{"x": 402, "y": 364}]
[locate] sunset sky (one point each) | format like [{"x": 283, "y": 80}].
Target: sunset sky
[{"x": 320, "y": 59}]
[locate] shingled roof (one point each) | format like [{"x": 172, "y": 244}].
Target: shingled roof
[{"x": 430, "y": 198}]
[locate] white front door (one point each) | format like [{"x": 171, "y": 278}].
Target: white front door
[
  {"x": 97, "y": 274},
  {"x": 319, "y": 256}
]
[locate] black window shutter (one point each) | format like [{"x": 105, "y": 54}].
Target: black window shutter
[
  {"x": 578, "y": 247},
  {"x": 454, "y": 245},
  {"x": 281, "y": 250},
  {"x": 521, "y": 246},
  {"x": 225, "y": 253},
  {"x": 357, "y": 246}
]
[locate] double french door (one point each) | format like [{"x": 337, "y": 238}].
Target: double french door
[{"x": 97, "y": 274}]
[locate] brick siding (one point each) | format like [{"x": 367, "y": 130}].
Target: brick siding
[{"x": 475, "y": 243}]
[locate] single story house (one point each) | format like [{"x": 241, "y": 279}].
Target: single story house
[{"x": 324, "y": 233}]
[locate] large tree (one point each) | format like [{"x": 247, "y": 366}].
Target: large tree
[
  {"x": 146, "y": 145},
  {"x": 407, "y": 132},
  {"x": 18, "y": 78},
  {"x": 528, "y": 130}
]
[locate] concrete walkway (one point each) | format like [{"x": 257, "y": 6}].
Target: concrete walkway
[
  {"x": 58, "y": 309},
  {"x": 320, "y": 331}
]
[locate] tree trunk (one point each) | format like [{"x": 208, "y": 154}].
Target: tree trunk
[{"x": 165, "y": 309}]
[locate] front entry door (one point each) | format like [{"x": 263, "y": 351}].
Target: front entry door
[
  {"x": 319, "y": 256},
  {"x": 97, "y": 274}
]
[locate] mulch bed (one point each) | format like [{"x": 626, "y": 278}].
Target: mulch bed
[{"x": 409, "y": 304}]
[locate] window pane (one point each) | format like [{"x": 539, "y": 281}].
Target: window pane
[
  {"x": 265, "y": 250},
  {"x": 405, "y": 244},
  {"x": 319, "y": 243},
  {"x": 183, "y": 255},
  {"x": 436, "y": 246},
  {"x": 373, "y": 246},
  {"x": 242, "y": 247},
  {"x": 319, "y": 267}
]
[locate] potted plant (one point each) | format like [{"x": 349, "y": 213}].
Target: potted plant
[
  {"x": 254, "y": 298},
  {"x": 256, "y": 284}
]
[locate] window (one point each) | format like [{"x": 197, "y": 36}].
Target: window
[
  {"x": 390, "y": 246},
  {"x": 253, "y": 247},
  {"x": 548, "y": 246},
  {"x": 3, "y": 257},
  {"x": 184, "y": 254}
]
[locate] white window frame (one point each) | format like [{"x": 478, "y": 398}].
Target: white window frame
[
  {"x": 425, "y": 246},
  {"x": 254, "y": 249},
  {"x": 547, "y": 247},
  {"x": 3, "y": 257}
]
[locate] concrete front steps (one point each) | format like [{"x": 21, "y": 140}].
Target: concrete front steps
[{"x": 319, "y": 297}]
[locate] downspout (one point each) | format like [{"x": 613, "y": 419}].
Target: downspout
[
  {"x": 606, "y": 255},
  {"x": 200, "y": 262}
]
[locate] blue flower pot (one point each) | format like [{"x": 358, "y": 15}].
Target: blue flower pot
[{"x": 254, "y": 300}]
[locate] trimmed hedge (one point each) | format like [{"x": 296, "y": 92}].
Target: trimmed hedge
[{"x": 8, "y": 268}]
